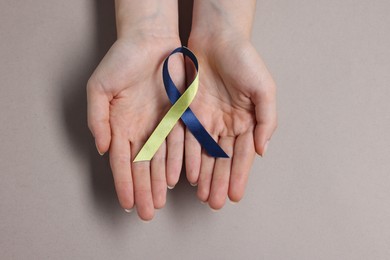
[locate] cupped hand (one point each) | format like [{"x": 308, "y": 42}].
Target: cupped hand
[
  {"x": 236, "y": 104},
  {"x": 126, "y": 101}
]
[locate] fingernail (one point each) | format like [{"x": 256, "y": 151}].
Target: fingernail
[
  {"x": 194, "y": 184},
  {"x": 233, "y": 202},
  {"x": 203, "y": 202},
  {"x": 214, "y": 210},
  {"x": 97, "y": 148},
  {"x": 170, "y": 187},
  {"x": 129, "y": 210},
  {"x": 146, "y": 221},
  {"x": 265, "y": 148}
]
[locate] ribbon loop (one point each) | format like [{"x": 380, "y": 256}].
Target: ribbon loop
[{"x": 180, "y": 109}]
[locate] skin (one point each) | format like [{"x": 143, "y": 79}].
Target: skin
[
  {"x": 236, "y": 100},
  {"x": 126, "y": 101}
]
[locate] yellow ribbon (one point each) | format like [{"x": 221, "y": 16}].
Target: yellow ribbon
[{"x": 168, "y": 122}]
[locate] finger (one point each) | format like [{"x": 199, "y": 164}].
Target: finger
[
  {"x": 266, "y": 115},
  {"x": 159, "y": 182},
  {"x": 244, "y": 153},
  {"x": 205, "y": 175},
  {"x": 192, "y": 155},
  {"x": 142, "y": 185},
  {"x": 98, "y": 116},
  {"x": 221, "y": 174},
  {"x": 121, "y": 170},
  {"x": 175, "y": 143}
]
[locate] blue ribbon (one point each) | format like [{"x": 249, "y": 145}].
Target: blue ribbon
[{"x": 188, "y": 117}]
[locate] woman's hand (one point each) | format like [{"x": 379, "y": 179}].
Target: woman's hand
[
  {"x": 126, "y": 101},
  {"x": 236, "y": 104}
]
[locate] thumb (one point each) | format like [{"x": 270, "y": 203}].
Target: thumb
[
  {"x": 98, "y": 116},
  {"x": 266, "y": 115}
]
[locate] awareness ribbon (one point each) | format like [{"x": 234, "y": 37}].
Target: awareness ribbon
[{"x": 180, "y": 109}]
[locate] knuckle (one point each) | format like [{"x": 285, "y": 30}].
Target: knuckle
[
  {"x": 123, "y": 182},
  {"x": 121, "y": 159}
]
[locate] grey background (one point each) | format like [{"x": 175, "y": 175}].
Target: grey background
[{"x": 321, "y": 192}]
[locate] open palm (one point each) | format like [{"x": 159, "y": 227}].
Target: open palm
[
  {"x": 126, "y": 100},
  {"x": 236, "y": 104}
]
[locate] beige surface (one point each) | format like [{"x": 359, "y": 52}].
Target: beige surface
[{"x": 322, "y": 191}]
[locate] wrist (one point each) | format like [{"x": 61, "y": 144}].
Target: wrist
[
  {"x": 221, "y": 19},
  {"x": 146, "y": 18}
]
